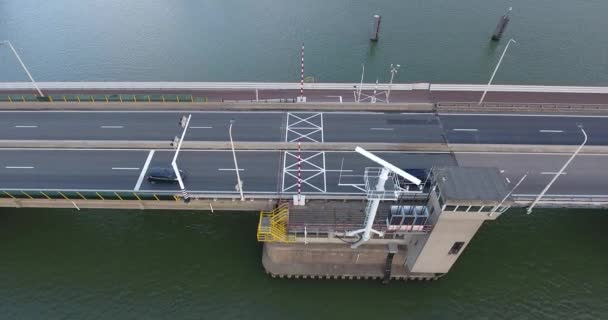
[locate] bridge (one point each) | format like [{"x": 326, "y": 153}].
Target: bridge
[{"x": 93, "y": 152}]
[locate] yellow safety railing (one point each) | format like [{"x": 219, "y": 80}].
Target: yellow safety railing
[{"x": 272, "y": 226}]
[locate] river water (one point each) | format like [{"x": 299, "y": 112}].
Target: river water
[
  {"x": 103, "y": 264},
  {"x": 561, "y": 42},
  {"x": 63, "y": 264}
]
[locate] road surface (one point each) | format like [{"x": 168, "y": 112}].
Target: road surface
[
  {"x": 275, "y": 172},
  {"x": 278, "y": 126}
]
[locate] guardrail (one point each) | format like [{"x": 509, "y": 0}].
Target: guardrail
[
  {"x": 89, "y": 195},
  {"x": 562, "y": 199},
  {"x": 166, "y": 85},
  {"x": 103, "y": 98},
  {"x": 519, "y": 107},
  {"x": 177, "y": 86},
  {"x": 170, "y": 195},
  {"x": 278, "y": 100}
]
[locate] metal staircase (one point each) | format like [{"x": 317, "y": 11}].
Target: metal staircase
[{"x": 273, "y": 225}]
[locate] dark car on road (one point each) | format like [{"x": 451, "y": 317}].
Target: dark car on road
[{"x": 164, "y": 174}]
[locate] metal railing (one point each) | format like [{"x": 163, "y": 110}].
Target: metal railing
[
  {"x": 107, "y": 98},
  {"x": 89, "y": 195},
  {"x": 560, "y": 199},
  {"x": 546, "y": 107},
  {"x": 272, "y": 226}
]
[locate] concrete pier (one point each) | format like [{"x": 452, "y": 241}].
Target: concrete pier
[{"x": 419, "y": 236}]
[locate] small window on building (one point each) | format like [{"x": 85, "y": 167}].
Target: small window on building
[
  {"x": 456, "y": 247},
  {"x": 486, "y": 209},
  {"x": 462, "y": 208},
  {"x": 450, "y": 208},
  {"x": 474, "y": 208}
]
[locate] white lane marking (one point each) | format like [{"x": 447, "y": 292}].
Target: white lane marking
[
  {"x": 112, "y": 127},
  {"x": 382, "y": 129},
  {"x": 144, "y": 170},
  {"x": 551, "y": 131},
  {"x": 16, "y": 167},
  {"x": 471, "y": 130},
  {"x": 508, "y": 181},
  {"x": 26, "y": 126},
  {"x": 191, "y": 127},
  {"x": 552, "y": 173},
  {"x": 230, "y": 169},
  {"x": 122, "y": 168}
]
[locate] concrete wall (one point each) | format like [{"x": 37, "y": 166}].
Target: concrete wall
[
  {"x": 433, "y": 254},
  {"x": 318, "y": 253},
  {"x": 333, "y": 260}
]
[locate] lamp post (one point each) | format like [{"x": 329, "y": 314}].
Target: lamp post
[
  {"x": 496, "y": 69},
  {"x": 361, "y": 83},
  {"x": 394, "y": 68},
  {"x": 184, "y": 122},
  {"x": 239, "y": 183},
  {"x": 559, "y": 173},
  {"x": 23, "y": 66}
]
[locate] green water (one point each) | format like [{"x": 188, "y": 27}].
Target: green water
[
  {"x": 560, "y": 41},
  {"x": 102, "y": 264},
  {"x": 177, "y": 265}
]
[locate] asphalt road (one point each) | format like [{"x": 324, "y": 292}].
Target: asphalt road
[
  {"x": 303, "y": 126},
  {"x": 271, "y": 172}
]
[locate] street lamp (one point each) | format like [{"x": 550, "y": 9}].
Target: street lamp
[
  {"x": 361, "y": 83},
  {"x": 239, "y": 183},
  {"x": 184, "y": 122},
  {"x": 560, "y": 172},
  {"x": 23, "y": 66},
  {"x": 394, "y": 68},
  {"x": 496, "y": 69}
]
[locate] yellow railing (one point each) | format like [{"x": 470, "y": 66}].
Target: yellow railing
[{"x": 272, "y": 226}]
